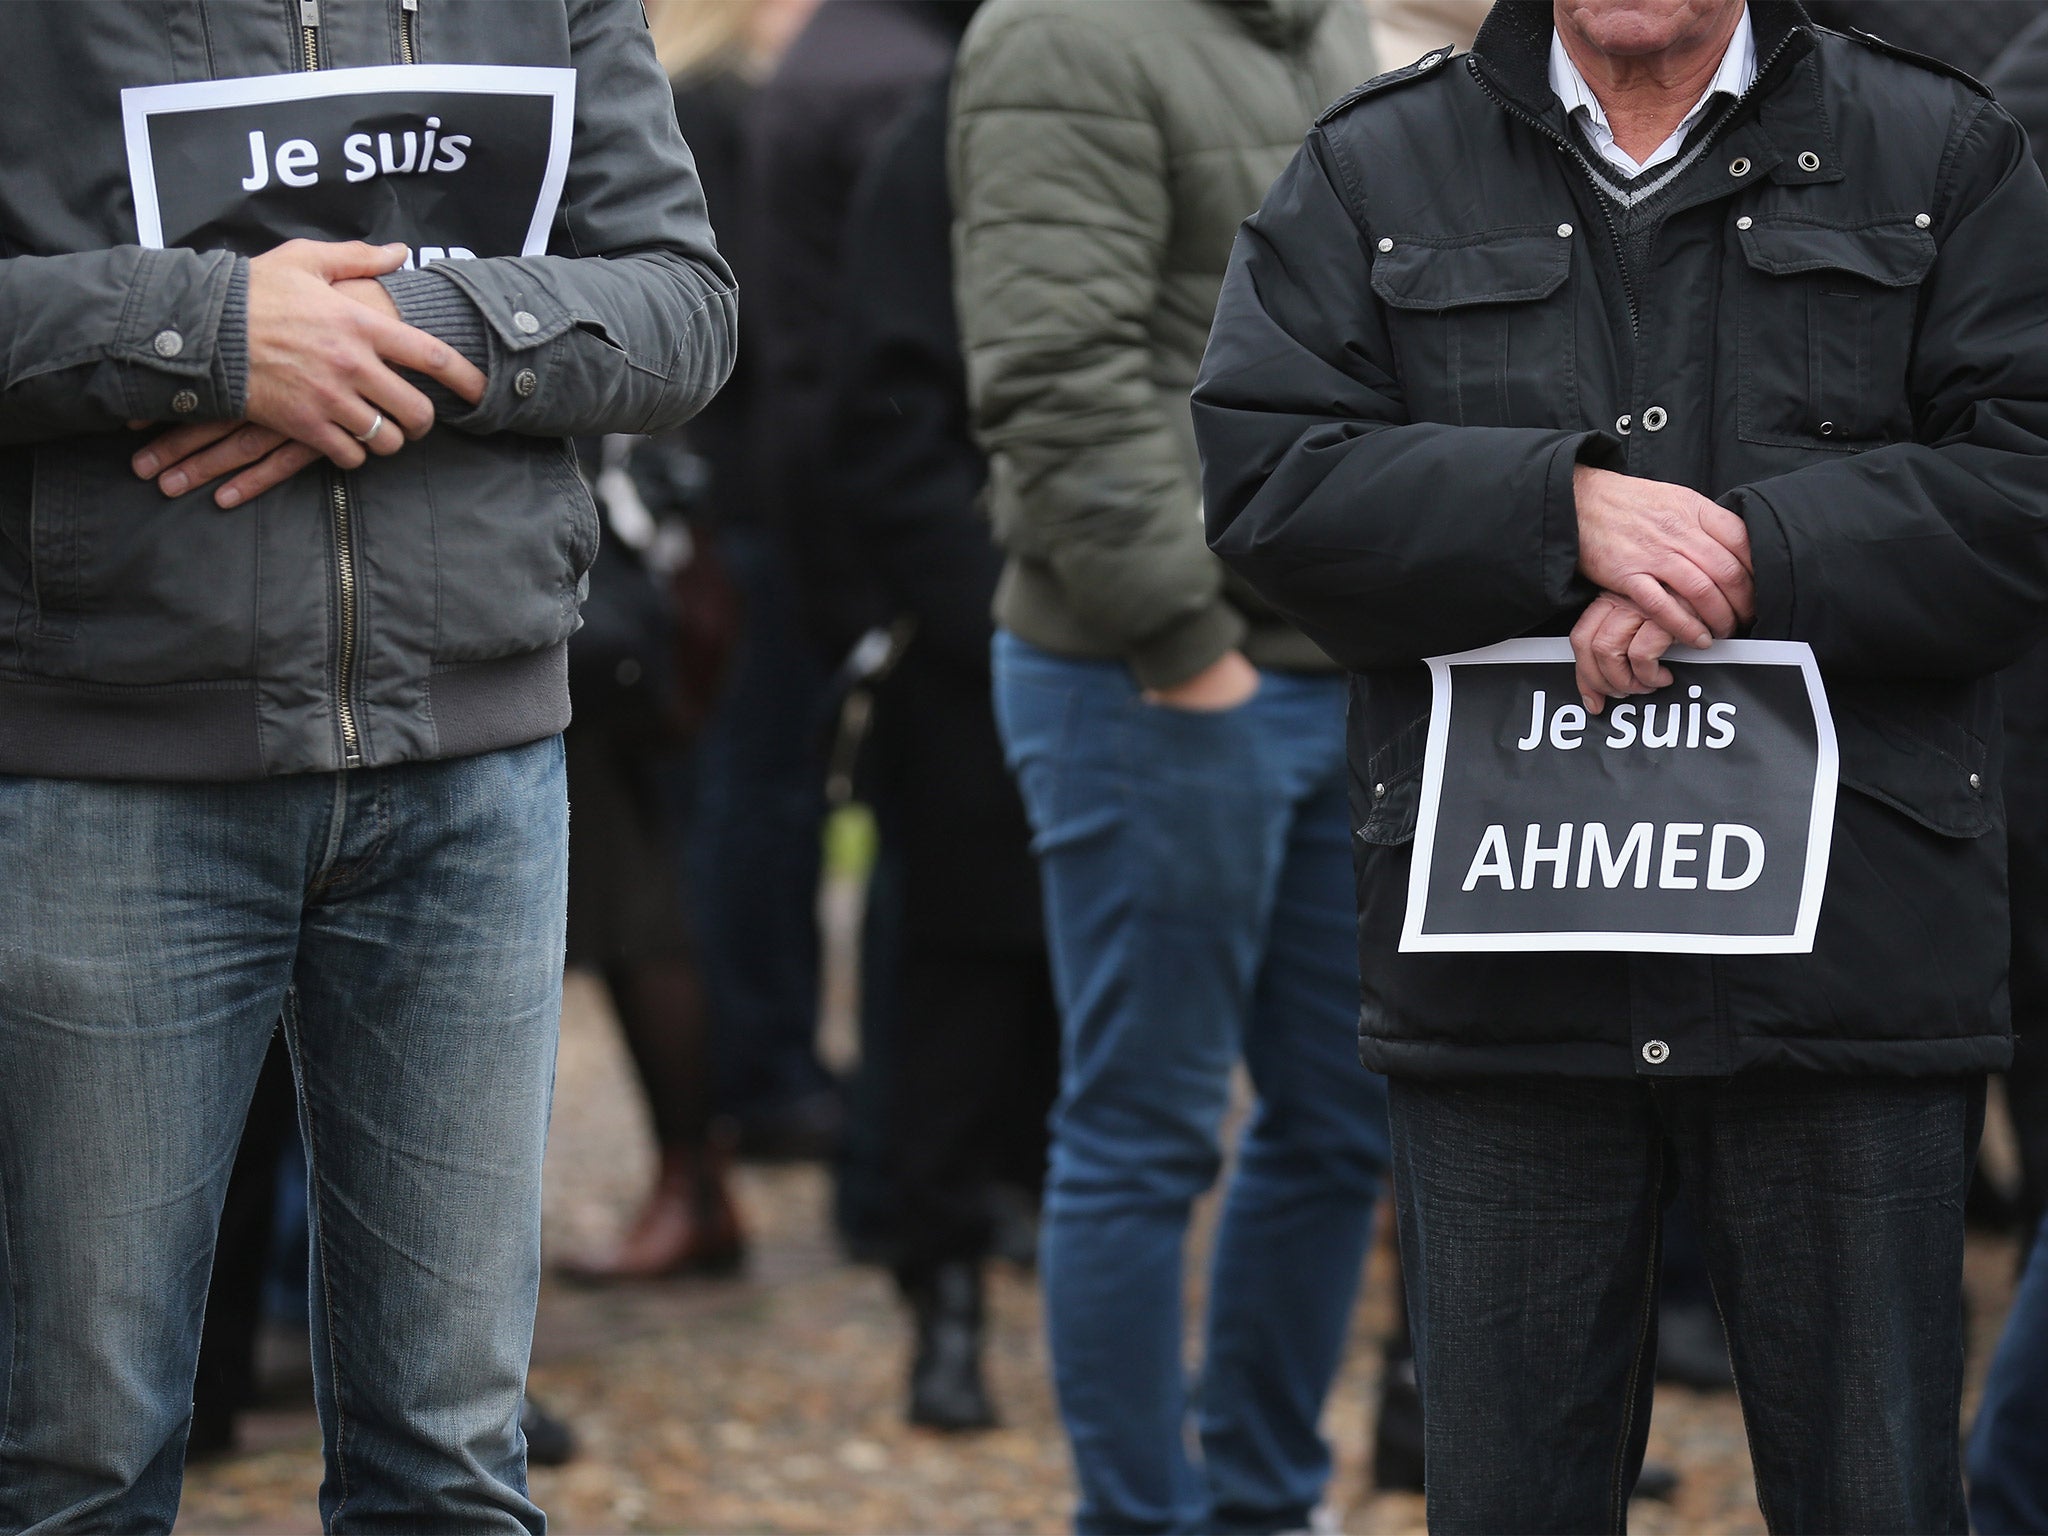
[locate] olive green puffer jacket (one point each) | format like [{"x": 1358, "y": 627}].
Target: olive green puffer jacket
[{"x": 1104, "y": 153}]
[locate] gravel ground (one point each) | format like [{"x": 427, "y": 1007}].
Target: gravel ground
[{"x": 771, "y": 1403}]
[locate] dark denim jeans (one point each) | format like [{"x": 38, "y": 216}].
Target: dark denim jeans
[
  {"x": 2009, "y": 1446},
  {"x": 1831, "y": 1212},
  {"x": 1197, "y": 877},
  {"x": 406, "y": 924}
]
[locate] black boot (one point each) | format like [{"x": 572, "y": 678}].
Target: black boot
[
  {"x": 1397, "y": 1443},
  {"x": 946, "y": 1389},
  {"x": 549, "y": 1442}
]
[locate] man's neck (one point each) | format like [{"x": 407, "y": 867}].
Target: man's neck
[{"x": 1647, "y": 95}]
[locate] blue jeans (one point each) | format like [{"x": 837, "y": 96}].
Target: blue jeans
[
  {"x": 2009, "y": 1446},
  {"x": 406, "y": 925},
  {"x": 1830, "y": 1211},
  {"x": 1198, "y": 898}
]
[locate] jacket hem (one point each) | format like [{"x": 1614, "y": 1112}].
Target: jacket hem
[
  {"x": 1440, "y": 1060},
  {"x": 212, "y": 732}
]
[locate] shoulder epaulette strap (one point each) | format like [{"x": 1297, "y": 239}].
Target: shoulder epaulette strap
[
  {"x": 1925, "y": 60},
  {"x": 1429, "y": 63}
]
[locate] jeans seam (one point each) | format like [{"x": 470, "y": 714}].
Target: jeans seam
[
  {"x": 14, "y": 1311},
  {"x": 1618, "y": 1497},
  {"x": 315, "y": 1194}
]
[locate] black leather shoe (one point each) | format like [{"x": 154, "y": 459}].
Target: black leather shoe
[
  {"x": 946, "y": 1388},
  {"x": 549, "y": 1442},
  {"x": 1656, "y": 1482},
  {"x": 1397, "y": 1442}
]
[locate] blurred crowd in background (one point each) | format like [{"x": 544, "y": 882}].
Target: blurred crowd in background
[{"x": 786, "y": 648}]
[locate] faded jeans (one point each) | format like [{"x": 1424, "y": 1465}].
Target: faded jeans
[
  {"x": 406, "y": 925},
  {"x": 1197, "y": 876}
]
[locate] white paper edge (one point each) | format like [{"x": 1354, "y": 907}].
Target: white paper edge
[
  {"x": 140, "y": 102},
  {"x": 1819, "y": 840}
]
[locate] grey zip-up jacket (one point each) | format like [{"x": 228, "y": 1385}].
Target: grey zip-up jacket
[{"x": 416, "y": 608}]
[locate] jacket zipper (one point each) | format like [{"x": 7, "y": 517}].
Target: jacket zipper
[
  {"x": 1565, "y": 143},
  {"x": 407, "y": 10},
  {"x": 340, "y": 516}
]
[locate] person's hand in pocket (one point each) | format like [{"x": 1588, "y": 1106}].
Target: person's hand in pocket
[{"x": 1225, "y": 683}]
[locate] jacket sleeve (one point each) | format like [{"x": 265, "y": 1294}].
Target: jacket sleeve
[
  {"x": 1063, "y": 212},
  {"x": 1385, "y": 540},
  {"x": 911, "y": 474},
  {"x": 636, "y": 310},
  {"x": 1930, "y": 558},
  {"x": 99, "y": 338}
]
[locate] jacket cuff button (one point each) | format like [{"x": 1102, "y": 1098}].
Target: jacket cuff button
[
  {"x": 184, "y": 402},
  {"x": 524, "y": 383},
  {"x": 524, "y": 322},
  {"x": 1921, "y": 221},
  {"x": 1386, "y": 244},
  {"x": 167, "y": 344}
]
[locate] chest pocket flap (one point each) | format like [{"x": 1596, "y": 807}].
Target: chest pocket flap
[
  {"x": 1476, "y": 342},
  {"x": 1511, "y": 267},
  {"x": 1894, "y": 255}
]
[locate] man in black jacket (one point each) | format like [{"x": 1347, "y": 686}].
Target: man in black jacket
[{"x": 1651, "y": 322}]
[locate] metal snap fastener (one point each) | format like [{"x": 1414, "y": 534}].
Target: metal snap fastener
[
  {"x": 1656, "y": 1052},
  {"x": 168, "y": 344},
  {"x": 1976, "y": 781},
  {"x": 1654, "y": 418},
  {"x": 1744, "y": 222},
  {"x": 525, "y": 382},
  {"x": 1739, "y": 166},
  {"x": 1827, "y": 429},
  {"x": 1564, "y": 231},
  {"x": 1386, "y": 244},
  {"x": 1379, "y": 791},
  {"x": 1623, "y": 422},
  {"x": 526, "y": 323},
  {"x": 184, "y": 402},
  {"x": 1921, "y": 221},
  {"x": 1808, "y": 160}
]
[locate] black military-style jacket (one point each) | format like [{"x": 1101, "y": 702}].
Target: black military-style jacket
[{"x": 1839, "y": 330}]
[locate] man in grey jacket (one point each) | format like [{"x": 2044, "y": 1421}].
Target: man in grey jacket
[{"x": 290, "y": 545}]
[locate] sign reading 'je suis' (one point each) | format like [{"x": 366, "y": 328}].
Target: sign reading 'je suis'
[
  {"x": 454, "y": 160},
  {"x": 1696, "y": 819}
]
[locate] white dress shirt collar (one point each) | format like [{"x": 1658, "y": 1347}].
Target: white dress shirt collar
[{"x": 1737, "y": 72}]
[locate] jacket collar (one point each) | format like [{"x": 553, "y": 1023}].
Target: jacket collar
[
  {"x": 1774, "y": 126},
  {"x": 1284, "y": 24}
]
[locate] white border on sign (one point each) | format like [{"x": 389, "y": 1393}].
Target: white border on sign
[
  {"x": 1819, "y": 838},
  {"x": 139, "y": 103}
]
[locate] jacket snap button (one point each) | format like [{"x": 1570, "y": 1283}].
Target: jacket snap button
[
  {"x": 1921, "y": 221},
  {"x": 1623, "y": 422},
  {"x": 1976, "y": 781},
  {"x": 1654, "y": 418},
  {"x": 1744, "y": 222},
  {"x": 526, "y": 323},
  {"x": 1379, "y": 791},
  {"x": 1656, "y": 1052},
  {"x": 1808, "y": 160},
  {"x": 1386, "y": 244},
  {"x": 167, "y": 344},
  {"x": 184, "y": 402},
  {"x": 1564, "y": 231},
  {"x": 1827, "y": 429},
  {"x": 524, "y": 383},
  {"x": 1739, "y": 166}
]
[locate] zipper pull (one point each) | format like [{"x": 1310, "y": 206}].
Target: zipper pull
[
  {"x": 309, "y": 14},
  {"x": 409, "y": 5}
]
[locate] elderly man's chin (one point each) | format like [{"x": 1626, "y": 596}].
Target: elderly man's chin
[{"x": 1627, "y": 28}]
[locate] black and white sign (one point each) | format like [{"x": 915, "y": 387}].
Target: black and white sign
[
  {"x": 1693, "y": 820},
  {"x": 455, "y": 160}
]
